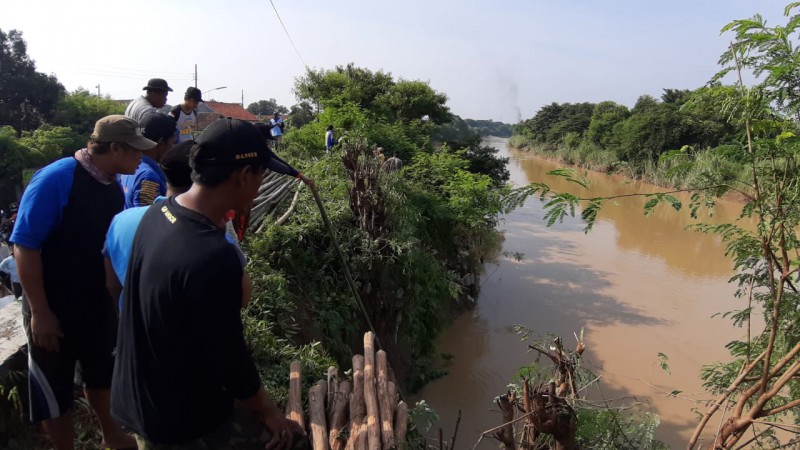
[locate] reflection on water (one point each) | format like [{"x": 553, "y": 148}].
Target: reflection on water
[{"x": 638, "y": 285}]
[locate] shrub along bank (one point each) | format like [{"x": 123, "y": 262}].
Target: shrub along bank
[{"x": 653, "y": 140}]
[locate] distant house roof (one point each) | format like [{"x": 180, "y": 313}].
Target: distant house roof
[{"x": 232, "y": 110}]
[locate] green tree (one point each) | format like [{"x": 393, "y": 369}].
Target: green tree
[
  {"x": 49, "y": 143},
  {"x": 15, "y": 157},
  {"x": 300, "y": 114},
  {"x": 604, "y": 117},
  {"x": 490, "y": 127},
  {"x": 80, "y": 110},
  {"x": 644, "y": 103},
  {"x": 675, "y": 96},
  {"x": 414, "y": 100},
  {"x": 553, "y": 122},
  {"x": 266, "y": 107},
  {"x": 27, "y": 97},
  {"x": 342, "y": 85},
  {"x": 648, "y": 132}
]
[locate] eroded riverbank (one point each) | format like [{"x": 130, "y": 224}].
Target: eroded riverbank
[{"x": 638, "y": 285}]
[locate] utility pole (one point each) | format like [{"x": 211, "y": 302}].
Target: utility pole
[
  {"x": 242, "y": 98},
  {"x": 98, "y": 90},
  {"x": 195, "y": 75}
]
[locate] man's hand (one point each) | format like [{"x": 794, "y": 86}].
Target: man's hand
[
  {"x": 308, "y": 181},
  {"x": 46, "y": 330},
  {"x": 284, "y": 431}
]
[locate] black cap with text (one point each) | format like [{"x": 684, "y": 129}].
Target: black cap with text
[{"x": 231, "y": 142}]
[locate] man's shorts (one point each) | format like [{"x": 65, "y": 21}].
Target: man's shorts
[{"x": 87, "y": 349}]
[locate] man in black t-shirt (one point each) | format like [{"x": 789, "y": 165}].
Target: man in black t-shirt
[{"x": 181, "y": 354}]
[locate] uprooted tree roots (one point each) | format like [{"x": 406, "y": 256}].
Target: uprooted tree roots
[{"x": 546, "y": 408}]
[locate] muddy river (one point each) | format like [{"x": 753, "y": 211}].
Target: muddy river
[{"x": 638, "y": 285}]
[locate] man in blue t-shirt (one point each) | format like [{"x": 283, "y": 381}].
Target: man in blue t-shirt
[
  {"x": 148, "y": 182},
  {"x": 67, "y": 312},
  {"x": 182, "y": 359},
  {"x": 119, "y": 239}
]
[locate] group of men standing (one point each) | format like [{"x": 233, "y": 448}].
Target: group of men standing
[{"x": 126, "y": 269}]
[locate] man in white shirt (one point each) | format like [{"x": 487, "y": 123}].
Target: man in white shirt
[
  {"x": 185, "y": 114},
  {"x": 277, "y": 128},
  {"x": 150, "y": 103}
]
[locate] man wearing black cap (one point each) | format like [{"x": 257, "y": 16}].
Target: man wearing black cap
[
  {"x": 142, "y": 188},
  {"x": 150, "y": 103},
  {"x": 182, "y": 359},
  {"x": 61, "y": 226},
  {"x": 185, "y": 114}
]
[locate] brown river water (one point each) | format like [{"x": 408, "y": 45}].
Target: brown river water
[{"x": 639, "y": 286}]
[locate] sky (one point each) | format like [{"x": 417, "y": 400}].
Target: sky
[{"x": 499, "y": 60}]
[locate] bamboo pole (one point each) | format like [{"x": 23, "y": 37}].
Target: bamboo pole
[
  {"x": 401, "y": 425},
  {"x": 362, "y": 442},
  {"x": 384, "y": 403},
  {"x": 370, "y": 397},
  {"x": 355, "y": 428},
  {"x": 339, "y": 418},
  {"x": 392, "y": 389},
  {"x": 358, "y": 409},
  {"x": 294, "y": 405},
  {"x": 316, "y": 413},
  {"x": 333, "y": 389}
]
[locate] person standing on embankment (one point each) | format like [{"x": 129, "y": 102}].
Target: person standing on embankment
[
  {"x": 67, "y": 313},
  {"x": 182, "y": 359}
]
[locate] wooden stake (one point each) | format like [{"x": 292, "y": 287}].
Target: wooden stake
[
  {"x": 370, "y": 397},
  {"x": 384, "y": 403},
  {"x": 392, "y": 389},
  {"x": 358, "y": 409},
  {"x": 316, "y": 413},
  {"x": 362, "y": 443},
  {"x": 333, "y": 388},
  {"x": 294, "y": 405},
  {"x": 401, "y": 425},
  {"x": 338, "y": 417},
  {"x": 355, "y": 429}
]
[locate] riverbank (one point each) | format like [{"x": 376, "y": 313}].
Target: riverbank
[
  {"x": 663, "y": 173},
  {"x": 639, "y": 286}
]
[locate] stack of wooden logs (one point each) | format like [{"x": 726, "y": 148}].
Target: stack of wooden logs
[{"x": 358, "y": 414}]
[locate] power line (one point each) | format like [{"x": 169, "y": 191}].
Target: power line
[{"x": 287, "y": 35}]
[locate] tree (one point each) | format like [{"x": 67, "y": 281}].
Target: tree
[
  {"x": 604, "y": 117},
  {"x": 644, "y": 103},
  {"x": 15, "y": 157},
  {"x": 675, "y": 96},
  {"x": 300, "y": 114},
  {"x": 266, "y": 107},
  {"x": 80, "y": 110},
  {"x": 49, "y": 143},
  {"x": 414, "y": 100},
  {"x": 648, "y": 132},
  {"x": 27, "y": 97},
  {"x": 342, "y": 85}
]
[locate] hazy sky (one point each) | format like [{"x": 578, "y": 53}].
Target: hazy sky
[{"x": 498, "y": 60}]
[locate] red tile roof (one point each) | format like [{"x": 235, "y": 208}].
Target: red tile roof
[{"x": 232, "y": 110}]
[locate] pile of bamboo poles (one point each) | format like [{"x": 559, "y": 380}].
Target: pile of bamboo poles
[
  {"x": 358, "y": 414},
  {"x": 273, "y": 190}
]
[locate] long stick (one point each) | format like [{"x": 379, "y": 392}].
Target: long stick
[{"x": 345, "y": 266}]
